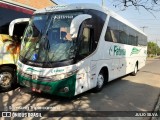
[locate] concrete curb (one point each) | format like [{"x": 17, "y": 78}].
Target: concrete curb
[
  {"x": 157, "y": 105},
  {"x": 148, "y": 58},
  {"x": 157, "y": 109}
]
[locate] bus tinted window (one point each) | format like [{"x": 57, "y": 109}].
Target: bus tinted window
[
  {"x": 85, "y": 42},
  {"x": 123, "y": 36},
  {"x": 121, "y": 33},
  {"x": 108, "y": 36}
]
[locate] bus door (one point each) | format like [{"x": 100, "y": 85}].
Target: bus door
[
  {"x": 79, "y": 25},
  {"x": 86, "y": 49}
]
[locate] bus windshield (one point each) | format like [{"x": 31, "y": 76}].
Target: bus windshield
[{"x": 47, "y": 38}]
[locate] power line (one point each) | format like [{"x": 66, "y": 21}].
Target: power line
[
  {"x": 154, "y": 27},
  {"x": 64, "y": 2},
  {"x": 144, "y": 27},
  {"x": 153, "y": 34},
  {"x": 61, "y": 1},
  {"x": 143, "y": 19}
]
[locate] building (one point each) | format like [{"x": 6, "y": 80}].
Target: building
[
  {"x": 13, "y": 9},
  {"x": 36, "y": 4}
]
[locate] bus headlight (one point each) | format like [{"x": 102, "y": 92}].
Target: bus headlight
[
  {"x": 62, "y": 76},
  {"x": 58, "y": 77}
]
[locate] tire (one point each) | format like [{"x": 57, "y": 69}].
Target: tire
[
  {"x": 7, "y": 78},
  {"x": 134, "y": 73},
  {"x": 100, "y": 82}
]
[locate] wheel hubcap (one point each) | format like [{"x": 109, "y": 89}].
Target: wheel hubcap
[
  {"x": 5, "y": 79},
  {"x": 100, "y": 81}
]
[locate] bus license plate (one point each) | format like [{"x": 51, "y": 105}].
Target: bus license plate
[
  {"x": 36, "y": 90},
  {"x": 35, "y": 77}
]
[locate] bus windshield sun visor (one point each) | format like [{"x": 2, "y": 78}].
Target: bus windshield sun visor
[{"x": 76, "y": 22}]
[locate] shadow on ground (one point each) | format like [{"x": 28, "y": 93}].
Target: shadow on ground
[
  {"x": 119, "y": 95},
  {"x": 124, "y": 94}
]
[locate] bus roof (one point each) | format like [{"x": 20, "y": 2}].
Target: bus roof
[
  {"x": 74, "y": 6},
  {"x": 79, "y": 6}
]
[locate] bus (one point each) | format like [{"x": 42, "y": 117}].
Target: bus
[
  {"x": 10, "y": 44},
  {"x": 69, "y": 49}
]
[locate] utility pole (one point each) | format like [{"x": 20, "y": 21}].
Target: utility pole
[
  {"x": 103, "y": 2},
  {"x": 144, "y": 27}
]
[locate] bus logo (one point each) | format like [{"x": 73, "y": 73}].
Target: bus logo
[
  {"x": 33, "y": 70},
  {"x": 135, "y": 51},
  {"x": 117, "y": 51}
]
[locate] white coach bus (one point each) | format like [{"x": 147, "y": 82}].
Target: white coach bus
[{"x": 67, "y": 50}]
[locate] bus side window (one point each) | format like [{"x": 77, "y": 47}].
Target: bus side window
[
  {"x": 108, "y": 36},
  {"x": 85, "y": 43}
]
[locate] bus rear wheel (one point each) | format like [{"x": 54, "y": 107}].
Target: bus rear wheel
[
  {"x": 134, "y": 73},
  {"x": 100, "y": 82},
  {"x": 7, "y": 78}
]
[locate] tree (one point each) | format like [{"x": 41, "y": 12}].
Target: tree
[
  {"x": 158, "y": 51},
  {"x": 149, "y": 5},
  {"x": 153, "y": 49}
]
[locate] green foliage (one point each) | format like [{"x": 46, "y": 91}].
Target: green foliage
[
  {"x": 153, "y": 49},
  {"x": 158, "y": 51}
]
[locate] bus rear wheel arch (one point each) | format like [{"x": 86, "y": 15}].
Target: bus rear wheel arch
[{"x": 102, "y": 79}]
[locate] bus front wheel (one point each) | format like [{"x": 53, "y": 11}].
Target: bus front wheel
[
  {"x": 7, "y": 78},
  {"x": 100, "y": 82}
]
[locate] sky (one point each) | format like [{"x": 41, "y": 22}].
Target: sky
[{"x": 140, "y": 18}]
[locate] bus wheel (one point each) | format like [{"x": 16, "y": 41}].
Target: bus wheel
[
  {"x": 7, "y": 78},
  {"x": 100, "y": 82},
  {"x": 134, "y": 73}
]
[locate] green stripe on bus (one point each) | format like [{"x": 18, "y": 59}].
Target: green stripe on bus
[{"x": 52, "y": 87}]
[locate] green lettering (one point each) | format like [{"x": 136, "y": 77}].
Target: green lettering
[{"x": 119, "y": 51}]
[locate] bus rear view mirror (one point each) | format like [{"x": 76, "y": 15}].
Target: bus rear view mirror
[
  {"x": 76, "y": 22},
  {"x": 14, "y": 22}
]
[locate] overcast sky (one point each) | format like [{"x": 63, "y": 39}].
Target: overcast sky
[{"x": 139, "y": 18}]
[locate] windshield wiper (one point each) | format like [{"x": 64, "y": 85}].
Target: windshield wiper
[
  {"x": 33, "y": 46},
  {"x": 47, "y": 44}
]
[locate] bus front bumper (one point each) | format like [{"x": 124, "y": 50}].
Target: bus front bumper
[{"x": 65, "y": 87}]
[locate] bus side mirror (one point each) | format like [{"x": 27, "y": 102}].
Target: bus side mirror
[
  {"x": 14, "y": 22},
  {"x": 76, "y": 22}
]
